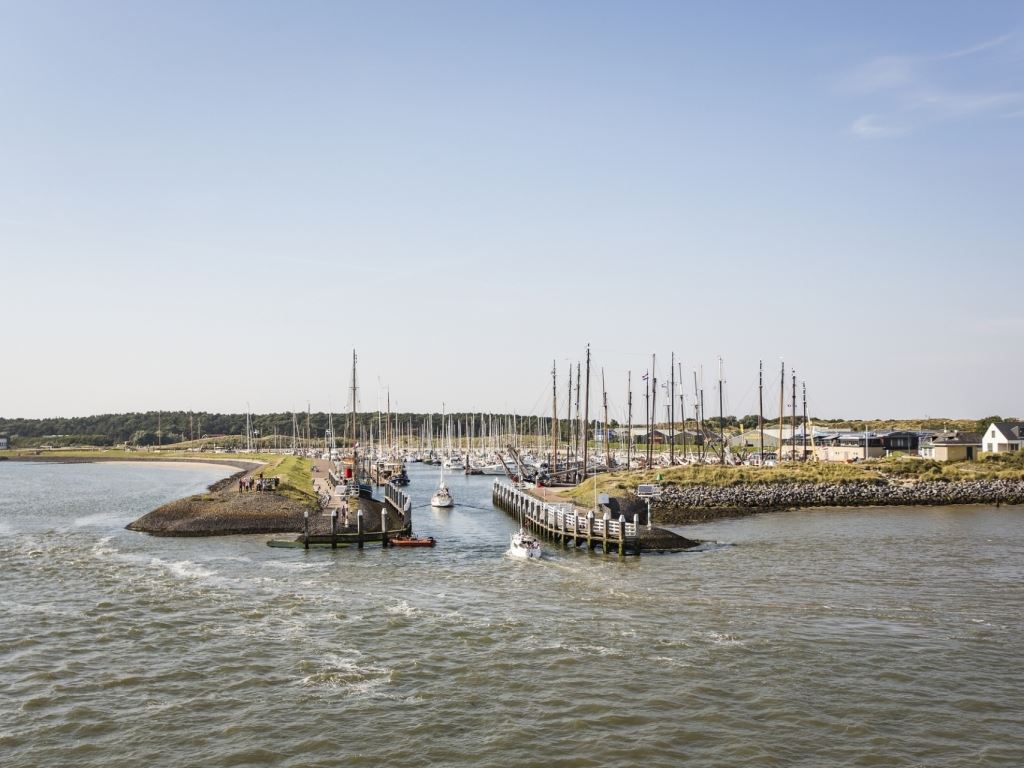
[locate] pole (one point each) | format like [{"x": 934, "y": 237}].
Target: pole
[
  {"x": 586, "y": 417},
  {"x": 629, "y": 416},
  {"x": 607, "y": 444},
  {"x": 792, "y": 420},
  {"x": 682, "y": 410},
  {"x": 697, "y": 399},
  {"x": 805, "y": 420},
  {"x": 554, "y": 418},
  {"x": 760, "y": 405},
  {"x": 647, "y": 418},
  {"x": 654, "y": 407},
  {"x": 782, "y": 406},
  {"x": 721, "y": 410},
  {"x": 672, "y": 413}
]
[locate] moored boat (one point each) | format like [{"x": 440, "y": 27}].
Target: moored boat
[{"x": 413, "y": 541}]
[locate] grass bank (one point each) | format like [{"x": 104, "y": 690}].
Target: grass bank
[{"x": 893, "y": 469}]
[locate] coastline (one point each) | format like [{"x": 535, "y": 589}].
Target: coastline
[
  {"x": 683, "y": 505},
  {"x": 221, "y": 511}
]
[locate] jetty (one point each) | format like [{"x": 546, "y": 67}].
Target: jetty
[
  {"x": 569, "y": 525},
  {"x": 565, "y": 524},
  {"x": 350, "y": 515}
]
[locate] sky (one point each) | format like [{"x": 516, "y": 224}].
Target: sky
[{"x": 209, "y": 205}]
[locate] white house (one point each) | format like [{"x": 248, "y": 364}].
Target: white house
[
  {"x": 1001, "y": 437},
  {"x": 4, "y": 443}
]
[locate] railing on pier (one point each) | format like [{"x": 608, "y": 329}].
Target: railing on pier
[
  {"x": 562, "y": 522},
  {"x": 397, "y": 498}
]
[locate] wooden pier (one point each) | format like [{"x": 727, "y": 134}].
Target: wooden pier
[
  {"x": 563, "y": 523},
  {"x": 374, "y": 522}
]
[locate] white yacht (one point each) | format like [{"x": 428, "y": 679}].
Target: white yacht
[
  {"x": 524, "y": 545},
  {"x": 442, "y": 496},
  {"x": 455, "y": 462}
]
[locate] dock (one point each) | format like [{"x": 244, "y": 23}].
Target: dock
[
  {"x": 350, "y": 515},
  {"x": 566, "y": 524}
]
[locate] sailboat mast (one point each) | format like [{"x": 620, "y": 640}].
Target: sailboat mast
[
  {"x": 355, "y": 437},
  {"x": 782, "y": 405},
  {"x": 647, "y": 418},
  {"x": 586, "y": 416},
  {"x": 576, "y": 447},
  {"x": 699, "y": 448},
  {"x": 607, "y": 444},
  {"x": 654, "y": 409},
  {"x": 629, "y": 417},
  {"x": 554, "y": 416},
  {"x": 805, "y": 421},
  {"x": 682, "y": 410},
  {"x": 721, "y": 410},
  {"x": 672, "y": 411},
  {"x": 792, "y": 420},
  {"x": 760, "y": 405}
]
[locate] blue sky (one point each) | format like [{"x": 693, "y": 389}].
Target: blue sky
[{"x": 208, "y": 204}]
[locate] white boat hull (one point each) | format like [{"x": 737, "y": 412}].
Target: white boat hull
[
  {"x": 524, "y": 546},
  {"x": 441, "y": 501}
]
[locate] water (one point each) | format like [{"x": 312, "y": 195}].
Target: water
[{"x": 860, "y": 637}]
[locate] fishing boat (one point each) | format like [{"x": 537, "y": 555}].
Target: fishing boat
[
  {"x": 524, "y": 545},
  {"x": 413, "y": 541}
]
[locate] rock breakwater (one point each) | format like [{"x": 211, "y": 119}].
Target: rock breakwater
[{"x": 697, "y": 503}]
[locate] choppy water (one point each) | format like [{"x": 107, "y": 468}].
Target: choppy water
[{"x": 865, "y": 638}]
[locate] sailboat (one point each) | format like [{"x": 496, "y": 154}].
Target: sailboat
[{"x": 442, "y": 496}]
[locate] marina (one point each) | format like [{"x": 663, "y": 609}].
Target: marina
[{"x": 780, "y": 640}]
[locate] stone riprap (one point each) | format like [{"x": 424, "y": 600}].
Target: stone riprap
[{"x": 695, "y": 503}]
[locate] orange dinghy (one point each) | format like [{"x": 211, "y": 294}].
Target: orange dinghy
[{"x": 409, "y": 541}]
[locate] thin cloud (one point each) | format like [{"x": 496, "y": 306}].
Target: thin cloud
[
  {"x": 979, "y": 48},
  {"x": 911, "y": 88},
  {"x": 874, "y": 127}
]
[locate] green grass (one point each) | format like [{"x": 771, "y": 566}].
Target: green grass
[
  {"x": 1001, "y": 467},
  {"x": 296, "y": 473}
]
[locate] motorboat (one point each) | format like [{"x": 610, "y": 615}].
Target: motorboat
[
  {"x": 524, "y": 545},
  {"x": 412, "y": 541},
  {"x": 455, "y": 462}
]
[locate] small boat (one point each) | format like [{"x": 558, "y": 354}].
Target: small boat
[
  {"x": 412, "y": 541},
  {"x": 442, "y": 496},
  {"x": 524, "y": 545}
]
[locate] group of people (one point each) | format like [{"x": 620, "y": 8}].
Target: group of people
[{"x": 259, "y": 484}]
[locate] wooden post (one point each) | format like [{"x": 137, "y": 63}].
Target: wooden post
[
  {"x": 590, "y": 530},
  {"x": 359, "y": 528},
  {"x": 622, "y": 535},
  {"x": 604, "y": 542},
  {"x": 305, "y": 529},
  {"x": 384, "y": 526},
  {"x": 334, "y": 529}
]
